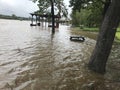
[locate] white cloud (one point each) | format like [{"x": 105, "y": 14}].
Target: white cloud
[
  {"x": 17, "y": 7},
  {"x": 20, "y": 7}
]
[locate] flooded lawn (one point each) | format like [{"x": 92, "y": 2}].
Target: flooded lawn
[{"x": 31, "y": 58}]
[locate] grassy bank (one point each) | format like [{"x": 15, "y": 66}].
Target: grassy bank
[
  {"x": 91, "y": 29},
  {"x": 96, "y": 30}
]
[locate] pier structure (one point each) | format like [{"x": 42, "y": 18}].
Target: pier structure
[{"x": 39, "y": 19}]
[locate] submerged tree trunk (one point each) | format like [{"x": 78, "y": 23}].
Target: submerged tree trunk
[
  {"x": 53, "y": 18},
  {"x": 105, "y": 39}
]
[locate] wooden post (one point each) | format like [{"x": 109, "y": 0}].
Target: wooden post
[
  {"x": 39, "y": 21},
  {"x": 45, "y": 21},
  {"x": 36, "y": 19},
  {"x": 31, "y": 21},
  {"x": 57, "y": 22},
  {"x": 42, "y": 21}
]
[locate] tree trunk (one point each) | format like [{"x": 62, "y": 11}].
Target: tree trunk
[
  {"x": 53, "y": 18},
  {"x": 105, "y": 38},
  {"x": 106, "y": 6}
]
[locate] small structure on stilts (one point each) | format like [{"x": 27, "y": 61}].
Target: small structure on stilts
[{"x": 38, "y": 19}]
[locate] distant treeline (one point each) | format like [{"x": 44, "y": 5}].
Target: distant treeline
[{"x": 13, "y": 16}]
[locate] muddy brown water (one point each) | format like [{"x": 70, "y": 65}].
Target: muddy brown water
[{"x": 31, "y": 58}]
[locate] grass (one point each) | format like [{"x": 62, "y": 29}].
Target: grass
[
  {"x": 118, "y": 35},
  {"x": 118, "y": 29},
  {"x": 96, "y": 30},
  {"x": 91, "y": 29},
  {"x": 86, "y": 29}
]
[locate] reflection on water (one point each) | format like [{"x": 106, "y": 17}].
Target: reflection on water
[{"x": 31, "y": 58}]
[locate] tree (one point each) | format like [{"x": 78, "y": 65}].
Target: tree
[
  {"x": 97, "y": 8},
  {"x": 81, "y": 18},
  {"x": 14, "y": 16},
  {"x": 45, "y": 4},
  {"x": 53, "y": 18},
  {"x": 105, "y": 38},
  {"x": 111, "y": 19},
  {"x": 76, "y": 19},
  {"x": 93, "y": 4}
]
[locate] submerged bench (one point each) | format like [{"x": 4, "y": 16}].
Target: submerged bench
[
  {"x": 33, "y": 25},
  {"x": 77, "y": 38}
]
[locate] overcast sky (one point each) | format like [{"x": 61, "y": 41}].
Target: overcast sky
[{"x": 19, "y": 7}]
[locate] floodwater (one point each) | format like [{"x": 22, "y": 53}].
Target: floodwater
[{"x": 31, "y": 58}]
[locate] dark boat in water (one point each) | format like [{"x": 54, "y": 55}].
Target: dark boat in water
[{"x": 77, "y": 38}]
